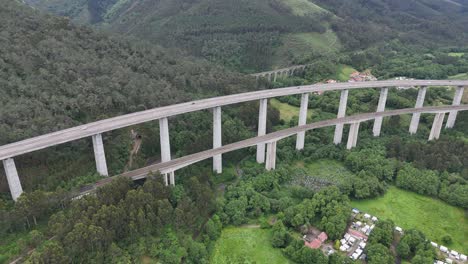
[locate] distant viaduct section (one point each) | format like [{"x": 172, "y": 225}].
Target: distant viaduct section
[
  {"x": 266, "y": 143},
  {"x": 284, "y": 72}
]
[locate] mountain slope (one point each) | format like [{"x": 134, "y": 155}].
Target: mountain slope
[
  {"x": 258, "y": 35},
  {"x": 54, "y": 75}
]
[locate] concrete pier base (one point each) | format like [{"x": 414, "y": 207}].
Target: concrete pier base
[
  {"x": 165, "y": 146},
  {"x": 99, "y": 155},
  {"x": 217, "y": 139},
  {"x": 456, "y": 101},
  {"x": 12, "y": 178},
  {"x": 302, "y": 120},
  {"x": 341, "y": 113},
  {"x": 271, "y": 156},
  {"x": 416, "y": 116},
  {"x": 380, "y": 108},
  {"x": 437, "y": 126},
  {"x": 262, "y": 129},
  {"x": 353, "y": 135}
]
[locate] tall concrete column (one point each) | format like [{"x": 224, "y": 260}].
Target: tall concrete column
[
  {"x": 99, "y": 155},
  {"x": 275, "y": 76},
  {"x": 416, "y": 116},
  {"x": 341, "y": 113},
  {"x": 165, "y": 147},
  {"x": 302, "y": 120},
  {"x": 271, "y": 156},
  {"x": 380, "y": 108},
  {"x": 353, "y": 135},
  {"x": 12, "y": 178},
  {"x": 437, "y": 126},
  {"x": 456, "y": 101},
  {"x": 217, "y": 142},
  {"x": 262, "y": 116}
]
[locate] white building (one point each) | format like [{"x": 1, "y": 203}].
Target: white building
[{"x": 443, "y": 249}]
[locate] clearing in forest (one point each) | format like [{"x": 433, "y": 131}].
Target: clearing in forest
[
  {"x": 304, "y": 7},
  {"x": 238, "y": 244},
  {"x": 410, "y": 210},
  {"x": 287, "y": 111}
]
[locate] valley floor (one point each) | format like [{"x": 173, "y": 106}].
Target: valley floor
[
  {"x": 238, "y": 244},
  {"x": 410, "y": 210}
]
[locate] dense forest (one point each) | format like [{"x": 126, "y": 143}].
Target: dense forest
[{"x": 55, "y": 74}]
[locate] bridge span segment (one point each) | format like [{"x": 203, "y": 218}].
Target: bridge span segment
[{"x": 95, "y": 129}]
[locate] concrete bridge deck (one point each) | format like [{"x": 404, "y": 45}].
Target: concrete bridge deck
[
  {"x": 98, "y": 127},
  {"x": 179, "y": 163}
]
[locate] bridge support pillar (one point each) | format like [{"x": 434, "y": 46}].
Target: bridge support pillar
[
  {"x": 262, "y": 116},
  {"x": 380, "y": 108},
  {"x": 437, "y": 126},
  {"x": 353, "y": 135},
  {"x": 416, "y": 116},
  {"x": 217, "y": 141},
  {"x": 100, "y": 155},
  {"x": 456, "y": 101},
  {"x": 165, "y": 148},
  {"x": 341, "y": 113},
  {"x": 12, "y": 178},
  {"x": 302, "y": 120},
  {"x": 275, "y": 75},
  {"x": 271, "y": 156}
]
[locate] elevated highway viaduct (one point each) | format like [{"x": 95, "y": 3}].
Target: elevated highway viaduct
[{"x": 95, "y": 129}]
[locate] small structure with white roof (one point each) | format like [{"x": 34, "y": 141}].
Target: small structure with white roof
[
  {"x": 463, "y": 257},
  {"x": 443, "y": 249}
]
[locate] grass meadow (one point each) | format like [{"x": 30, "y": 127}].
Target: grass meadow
[
  {"x": 238, "y": 244},
  {"x": 410, "y": 210}
]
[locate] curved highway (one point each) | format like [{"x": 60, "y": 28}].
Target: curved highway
[
  {"x": 67, "y": 135},
  {"x": 178, "y": 163}
]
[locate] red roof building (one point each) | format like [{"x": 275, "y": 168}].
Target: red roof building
[{"x": 316, "y": 243}]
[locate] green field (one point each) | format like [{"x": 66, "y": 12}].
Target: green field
[
  {"x": 456, "y": 54},
  {"x": 461, "y": 76},
  {"x": 343, "y": 72},
  {"x": 297, "y": 46},
  {"x": 330, "y": 170},
  {"x": 238, "y": 244},
  {"x": 303, "y": 7},
  {"x": 410, "y": 210},
  {"x": 287, "y": 111}
]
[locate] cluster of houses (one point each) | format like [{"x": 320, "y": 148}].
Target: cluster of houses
[
  {"x": 354, "y": 240},
  {"x": 315, "y": 242},
  {"x": 451, "y": 255},
  {"x": 356, "y": 76},
  {"x": 364, "y": 76}
]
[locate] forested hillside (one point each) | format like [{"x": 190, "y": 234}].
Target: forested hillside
[
  {"x": 55, "y": 75},
  {"x": 258, "y": 35}
]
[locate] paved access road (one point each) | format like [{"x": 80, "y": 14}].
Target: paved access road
[{"x": 67, "y": 135}]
